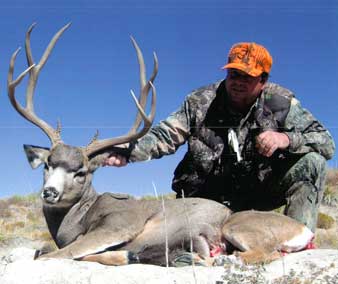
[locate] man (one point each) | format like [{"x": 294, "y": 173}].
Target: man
[{"x": 250, "y": 143}]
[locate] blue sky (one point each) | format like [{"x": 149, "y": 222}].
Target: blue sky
[{"x": 87, "y": 79}]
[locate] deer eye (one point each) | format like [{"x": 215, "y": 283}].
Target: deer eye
[{"x": 80, "y": 176}]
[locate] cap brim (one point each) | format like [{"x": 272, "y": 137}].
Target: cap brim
[{"x": 250, "y": 71}]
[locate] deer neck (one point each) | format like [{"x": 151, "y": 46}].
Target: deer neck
[{"x": 64, "y": 223}]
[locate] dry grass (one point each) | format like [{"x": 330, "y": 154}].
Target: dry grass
[
  {"x": 327, "y": 232},
  {"x": 332, "y": 178},
  {"x": 160, "y": 197},
  {"x": 325, "y": 221},
  {"x": 326, "y": 239},
  {"x": 4, "y": 212},
  {"x": 331, "y": 190},
  {"x": 21, "y": 216}
]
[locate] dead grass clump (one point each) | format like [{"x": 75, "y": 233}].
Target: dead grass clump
[
  {"x": 2, "y": 237},
  {"x": 332, "y": 178},
  {"x": 331, "y": 188},
  {"x": 330, "y": 196},
  {"x": 325, "y": 221},
  {"x": 4, "y": 211},
  {"x": 13, "y": 227},
  {"x": 326, "y": 239},
  {"x": 41, "y": 235},
  {"x": 280, "y": 210},
  {"x": 35, "y": 217}
]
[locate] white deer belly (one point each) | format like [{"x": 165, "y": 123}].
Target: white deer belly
[{"x": 298, "y": 242}]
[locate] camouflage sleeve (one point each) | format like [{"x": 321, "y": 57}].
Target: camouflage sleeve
[
  {"x": 164, "y": 138},
  {"x": 307, "y": 134}
]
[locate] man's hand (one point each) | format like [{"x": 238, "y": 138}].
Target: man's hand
[
  {"x": 115, "y": 160},
  {"x": 269, "y": 141}
]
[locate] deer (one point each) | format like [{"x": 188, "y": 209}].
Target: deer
[{"x": 113, "y": 229}]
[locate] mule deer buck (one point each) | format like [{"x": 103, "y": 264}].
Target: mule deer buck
[{"x": 115, "y": 230}]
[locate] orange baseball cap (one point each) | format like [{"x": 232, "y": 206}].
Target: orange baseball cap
[{"x": 249, "y": 57}]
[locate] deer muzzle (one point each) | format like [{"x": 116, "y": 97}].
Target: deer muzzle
[{"x": 50, "y": 195}]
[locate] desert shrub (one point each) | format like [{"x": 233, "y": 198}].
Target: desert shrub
[
  {"x": 330, "y": 196},
  {"x": 331, "y": 188},
  {"x": 325, "y": 221},
  {"x": 14, "y": 226},
  {"x": 3, "y": 204},
  {"x": 5, "y": 213},
  {"x": 16, "y": 200},
  {"x": 4, "y": 209},
  {"x": 3, "y": 237},
  {"x": 164, "y": 196},
  {"x": 34, "y": 217},
  {"x": 280, "y": 209},
  {"x": 326, "y": 239},
  {"x": 41, "y": 235},
  {"x": 332, "y": 177},
  {"x": 23, "y": 200}
]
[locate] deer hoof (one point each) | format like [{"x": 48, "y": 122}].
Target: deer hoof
[
  {"x": 37, "y": 254},
  {"x": 133, "y": 258}
]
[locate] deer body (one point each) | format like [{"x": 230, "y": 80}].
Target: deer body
[
  {"x": 137, "y": 227},
  {"x": 86, "y": 225},
  {"x": 115, "y": 230}
]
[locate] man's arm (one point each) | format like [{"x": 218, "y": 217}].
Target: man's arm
[
  {"x": 168, "y": 135},
  {"x": 162, "y": 139},
  {"x": 306, "y": 133}
]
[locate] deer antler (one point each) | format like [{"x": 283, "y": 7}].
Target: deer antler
[
  {"x": 33, "y": 70},
  {"x": 98, "y": 145},
  {"x": 54, "y": 134}
]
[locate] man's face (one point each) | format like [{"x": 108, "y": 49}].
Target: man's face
[{"x": 242, "y": 88}]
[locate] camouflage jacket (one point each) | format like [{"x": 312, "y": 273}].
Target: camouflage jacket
[{"x": 204, "y": 120}]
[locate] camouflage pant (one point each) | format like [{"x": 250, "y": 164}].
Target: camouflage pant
[
  {"x": 298, "y": 183},
  {"x": 304, "y": 184}
]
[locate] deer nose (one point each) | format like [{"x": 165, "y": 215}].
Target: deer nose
[{"x": 50, "y": 192}]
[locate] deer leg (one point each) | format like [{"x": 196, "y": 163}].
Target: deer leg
[
  {"x": 121, "y": 257},
  {"x": 92, "y": 243}
]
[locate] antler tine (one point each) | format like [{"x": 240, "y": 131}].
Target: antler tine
[
  {"x": 148, "y": 120},
  {"x": 29, "y": 55},
  {"x": 33, "y": 70},
  {"x": 99, "y": 145},
  {"x": 145, "y": 86}
]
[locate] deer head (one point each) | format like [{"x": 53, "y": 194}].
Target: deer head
[{"x": 68, "y": 169}]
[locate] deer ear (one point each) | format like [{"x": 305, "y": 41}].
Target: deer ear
[{"x": 36, "y": 155}]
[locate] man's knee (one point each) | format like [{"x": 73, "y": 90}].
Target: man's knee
[
  {"x": 314, "y": 163},
  {"x": 306, "y": 181},
  {"x": 310, "y": 168}
]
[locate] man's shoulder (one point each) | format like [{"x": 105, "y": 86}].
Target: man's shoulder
[
  {"x": 205, "y": 93},
  {"x": 272, "y": 89}
]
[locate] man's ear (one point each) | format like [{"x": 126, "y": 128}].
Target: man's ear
[
  {"x": 264, "y": 78},
  {"x": 36, "y": 155}
]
